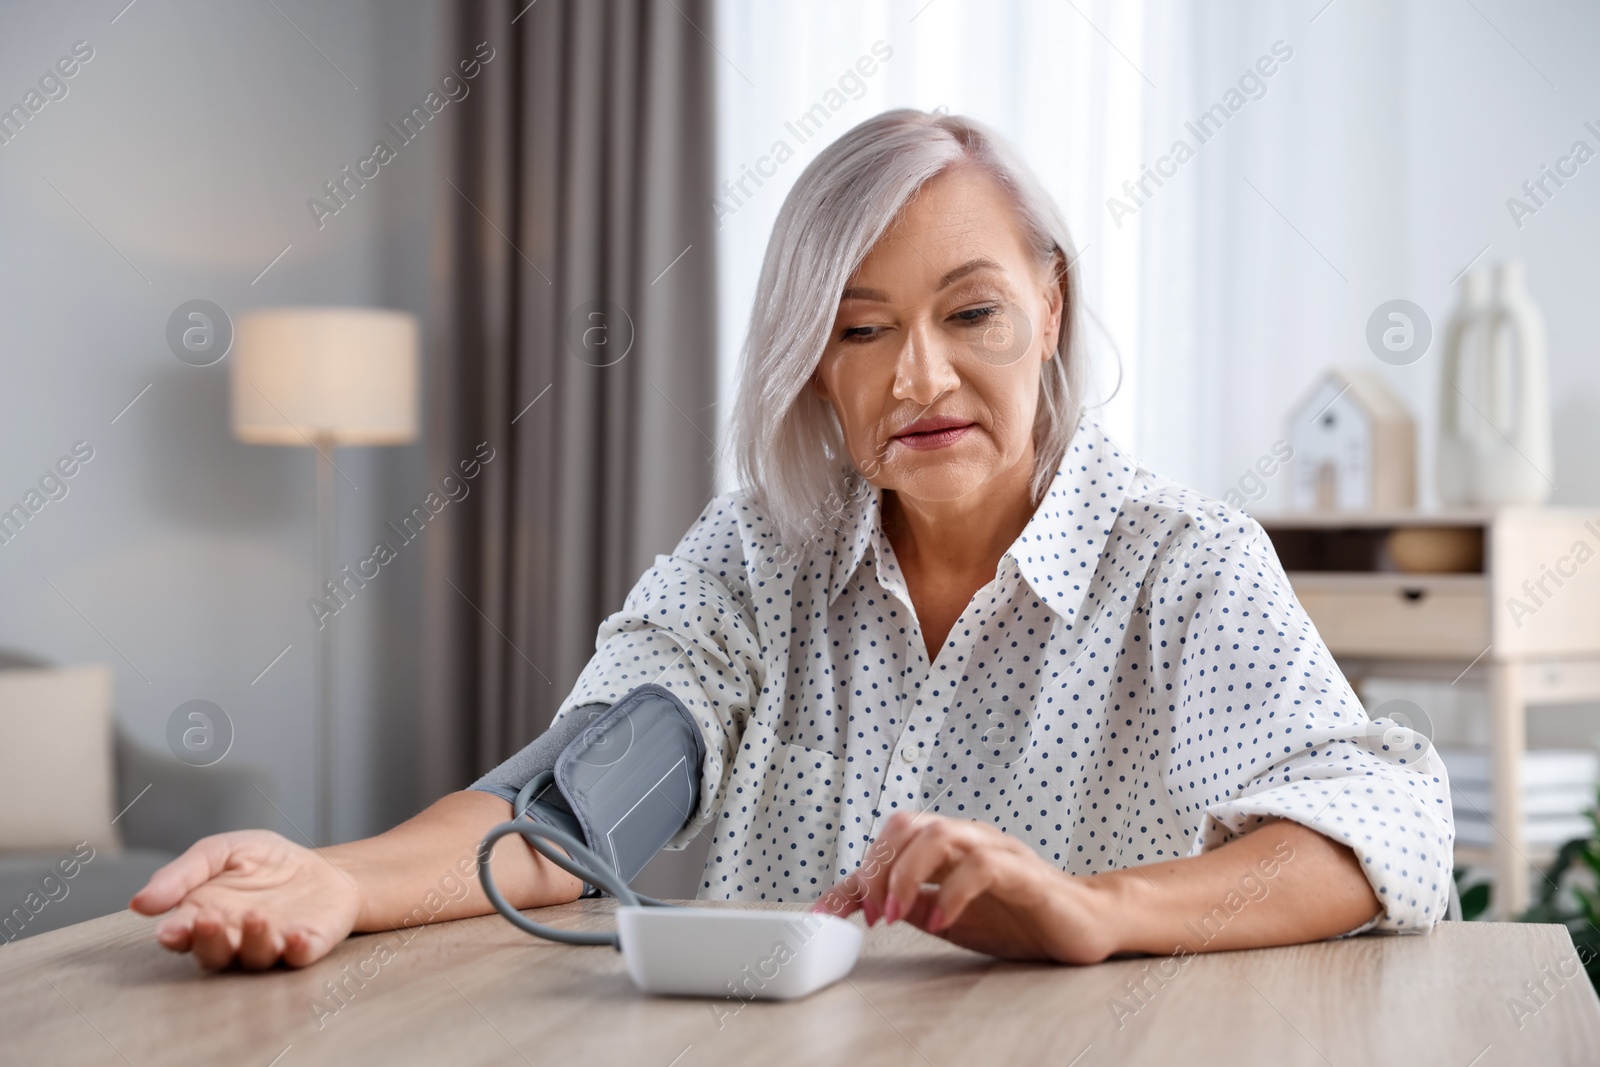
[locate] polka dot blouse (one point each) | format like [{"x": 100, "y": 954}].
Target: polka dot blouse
[{"x": 1137, "y": 683}]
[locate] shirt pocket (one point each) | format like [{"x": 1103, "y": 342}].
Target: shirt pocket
[{"x": 801, "y": 796}]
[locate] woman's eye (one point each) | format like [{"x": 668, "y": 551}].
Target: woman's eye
[
  {"x": 978, "y": 314},
  {"x": 858, "y": 333}
]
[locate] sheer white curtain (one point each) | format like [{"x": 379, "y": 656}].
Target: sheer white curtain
[
  {"x": 1263, "y": 256},
  {"x": 1061, "y": 82}
]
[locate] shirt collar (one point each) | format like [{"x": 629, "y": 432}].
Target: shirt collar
[{"x": 1057, "y": 552}]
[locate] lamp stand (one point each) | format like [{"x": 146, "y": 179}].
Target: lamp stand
[{"x": 326, "y": 531}]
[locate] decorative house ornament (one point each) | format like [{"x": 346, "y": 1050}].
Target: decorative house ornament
[
  {"x": 1354, "y": 446},
  {"x": 1495, "y": 444}
]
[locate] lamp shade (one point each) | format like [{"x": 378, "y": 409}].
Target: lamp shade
[{"x": 345, "y": 376}]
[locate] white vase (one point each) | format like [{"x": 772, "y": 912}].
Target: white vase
[{"x": 1495, "y": 444}]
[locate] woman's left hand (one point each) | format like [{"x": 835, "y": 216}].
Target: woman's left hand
[{"x": 993, "y": 893}]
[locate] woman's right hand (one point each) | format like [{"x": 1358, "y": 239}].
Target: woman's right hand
[{"x": 254, "y": 897}]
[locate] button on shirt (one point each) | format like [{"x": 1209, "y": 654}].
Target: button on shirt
[{"x": 1137, "y": 683}]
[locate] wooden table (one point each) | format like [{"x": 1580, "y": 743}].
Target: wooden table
[{"x": 480, "y": 992}]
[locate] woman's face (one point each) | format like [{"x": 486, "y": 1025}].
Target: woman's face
[{"x": 943, "y": 329}]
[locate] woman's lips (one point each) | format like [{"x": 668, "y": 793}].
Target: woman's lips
[{"x": 932, "y": 439}]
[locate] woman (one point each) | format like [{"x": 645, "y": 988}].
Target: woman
[{"x": 957, "y": 660}]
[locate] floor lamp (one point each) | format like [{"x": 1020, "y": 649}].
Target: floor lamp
[{"x": 321, "y": 378}]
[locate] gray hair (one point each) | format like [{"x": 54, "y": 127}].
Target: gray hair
[{"x": 789, "y": 445}]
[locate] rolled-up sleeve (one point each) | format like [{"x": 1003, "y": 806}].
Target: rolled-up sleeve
[
  {"x": 1261, "y": 724},
  {"x": 685, "y": 626}
]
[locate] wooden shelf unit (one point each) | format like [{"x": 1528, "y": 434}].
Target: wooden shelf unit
[{"x": 1526, "y": 624}]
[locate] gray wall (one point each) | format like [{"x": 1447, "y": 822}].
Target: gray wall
[{"x": 181, "y": 160}]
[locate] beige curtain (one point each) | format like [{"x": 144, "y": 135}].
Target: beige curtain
[{"x": 577, "y": 339}]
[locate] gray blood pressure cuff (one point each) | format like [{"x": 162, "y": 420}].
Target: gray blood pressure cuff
[{"x": 626, "y": 778}]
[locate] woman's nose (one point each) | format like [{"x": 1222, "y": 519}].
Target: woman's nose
[{"x": 923, "y": 370}]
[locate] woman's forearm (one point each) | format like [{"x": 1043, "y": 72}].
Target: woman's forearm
[
  {"x": 1280, "y": 884},
  {"x": 425, "y": 869}
]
